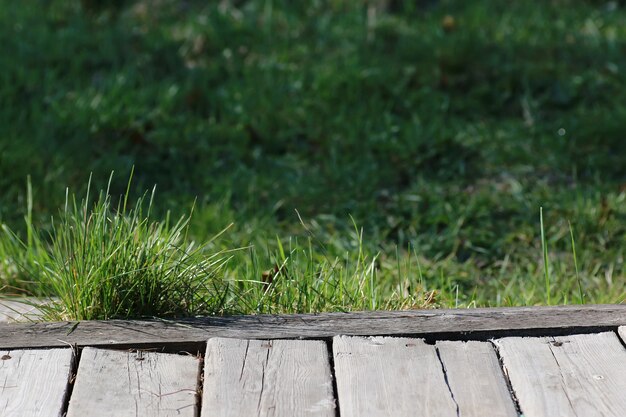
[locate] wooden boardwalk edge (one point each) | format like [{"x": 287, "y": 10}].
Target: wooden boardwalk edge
[
  {"x": 352, "y": 376},
  {"x": 461, "y": 324}
]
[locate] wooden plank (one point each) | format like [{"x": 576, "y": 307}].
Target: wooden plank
[
  {"x": 267, "y": 378},
  {"x": 19, "y": 309},
  {"x": 506, "y": 321},
  {"x": 34, "y": 382},
  {"x": 580, "y": 375},
  {"x": 384, "y": 376},
  {"x": 122, "y": 383},
  {"x": 475, "y": 379},
  {"x": 622, "y": 333}
]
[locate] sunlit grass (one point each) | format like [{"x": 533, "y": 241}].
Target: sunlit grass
[
  {"x": 103, "y": 260},
  {"x": 356, "y": 154}
]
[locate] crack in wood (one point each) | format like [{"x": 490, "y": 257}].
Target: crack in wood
[
  {"x": 505, "y": 374},
  {"x": 264, "y": 364},
  {"x": 445, "y": 379},
  {"x": 562, "y": 377}
]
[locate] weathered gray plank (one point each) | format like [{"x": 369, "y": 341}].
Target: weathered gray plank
[
  {"x": 476, "y": 380},
  {"x": 19, "y": 310},
  {"x": 34, "y": 382},
  {"x": 384, "y": 376},
  {"x": 121, "y": 383},
  {"x": 415, "y": 322},
  {"x": 267, "y": 378},
  {"x": 580, "y": 375},
  {"x": 622, "y": 333}
]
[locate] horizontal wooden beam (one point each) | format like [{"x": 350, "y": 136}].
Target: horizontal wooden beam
[{"x": 478, "y": 323}]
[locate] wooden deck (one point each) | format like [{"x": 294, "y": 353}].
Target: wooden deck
[{"x": 546, "y": 361}]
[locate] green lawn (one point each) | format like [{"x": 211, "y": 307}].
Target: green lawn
[{"x": 323, "y": 155}]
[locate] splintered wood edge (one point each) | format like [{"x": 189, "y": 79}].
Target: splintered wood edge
[{"x": 460, "y": 324}]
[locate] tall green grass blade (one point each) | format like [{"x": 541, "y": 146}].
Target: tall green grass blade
[
  {"x": 546, "y": 266},
  {"x": 581, "y": 297},
  {"x": 29, "y": 212}
]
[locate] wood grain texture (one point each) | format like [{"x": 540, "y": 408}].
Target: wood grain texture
[
  {"x": 34, "y": 382},
  {"x": 476, "y": 380},
  {"x": 267, "y": 378},
  {"x": 19, "y": 310},
  {"x": 121, "y": 383},
  {"x": 622, "y": 333},
  {"x": 580, "y": 375},
  {"x": 327, "y": 325},
  {"x": 395, "y": 377}
]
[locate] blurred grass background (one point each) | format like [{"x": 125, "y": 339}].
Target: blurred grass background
[{"x": 406, "y": 145}]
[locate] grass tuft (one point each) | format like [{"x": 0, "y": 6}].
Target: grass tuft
[{"x": 106, "y": 260}]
